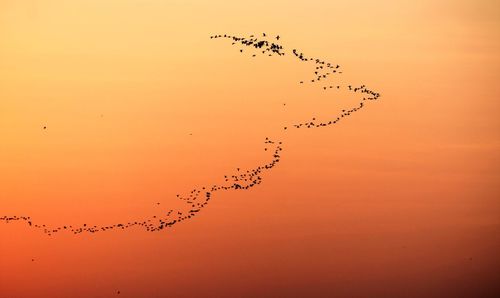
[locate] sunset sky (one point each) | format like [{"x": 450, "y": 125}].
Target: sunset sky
[{"x": 108, "y": 108}]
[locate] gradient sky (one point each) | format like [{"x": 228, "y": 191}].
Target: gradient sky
[{"x": 400, "y": 200}]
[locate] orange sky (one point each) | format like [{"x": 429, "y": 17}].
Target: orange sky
[{"x": 399, "y": 200}]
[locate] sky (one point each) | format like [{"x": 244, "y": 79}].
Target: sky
[{"x": 138, "y": 103}]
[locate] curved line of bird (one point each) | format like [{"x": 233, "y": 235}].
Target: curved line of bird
[{"x": 198, "y": 198}]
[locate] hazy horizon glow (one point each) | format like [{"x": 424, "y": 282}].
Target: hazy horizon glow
[{"x": 139, "y": 104}]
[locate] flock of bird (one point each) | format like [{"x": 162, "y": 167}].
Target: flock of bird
[{"x": 199, "y": 197}]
